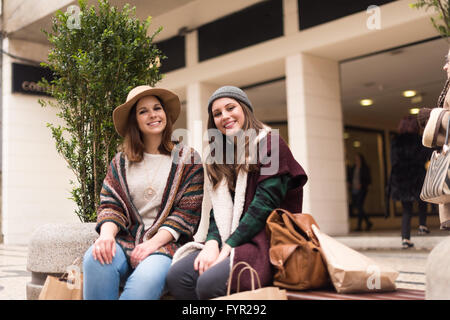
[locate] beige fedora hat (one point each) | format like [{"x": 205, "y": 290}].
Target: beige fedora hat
[{"x": 169, "y": 99}]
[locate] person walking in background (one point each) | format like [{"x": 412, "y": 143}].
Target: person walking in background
[
  {"x": 408, "y": 158},
  {"x": 359, "y": 180},
  {"x": 150, "y": 202}
]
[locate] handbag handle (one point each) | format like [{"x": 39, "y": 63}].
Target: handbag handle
[{"x": 252, "y": 272}]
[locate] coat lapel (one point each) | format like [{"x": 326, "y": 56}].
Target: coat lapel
[{"x": 227, "y": 214}]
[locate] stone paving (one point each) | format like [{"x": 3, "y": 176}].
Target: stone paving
[
  {"x": 13, "y": 272},
  {"x": 409, "y": 263}
]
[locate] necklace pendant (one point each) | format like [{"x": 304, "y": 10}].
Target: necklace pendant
[{"x": 149, "y": 193}]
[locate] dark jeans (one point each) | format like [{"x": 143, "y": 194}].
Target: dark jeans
[
  {"x": 185, "y": 283},
  {"x": 358, "y": 202},
  {"x": 407, "y": 214}
]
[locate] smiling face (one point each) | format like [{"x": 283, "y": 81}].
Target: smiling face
[
  {"x": 150, "y": 116},
  {"x": 228, "y": 115}
]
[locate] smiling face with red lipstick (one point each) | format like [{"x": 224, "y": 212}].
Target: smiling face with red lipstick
[{"x": 228, "y": 115}]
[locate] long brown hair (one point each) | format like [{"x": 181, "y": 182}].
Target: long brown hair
[
  {"x": 215, "y": 171},
  {"x": 133, "y": 143}
]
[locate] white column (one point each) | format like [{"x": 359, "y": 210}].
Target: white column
[
  {"x": 290, "y": 17},
  {"x": 197, "y": 112},
  {"x": 191, "y": 41},
  {"x": 316, "y": 137}
]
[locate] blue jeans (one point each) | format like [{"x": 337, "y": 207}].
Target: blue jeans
[{"x": 146, "y": 282}]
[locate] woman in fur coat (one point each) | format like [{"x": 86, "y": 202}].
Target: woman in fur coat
[
  {"x": 150, "y": 202},
  {"x": 408, "y": 158},
  {"x": 249, "y": 171}
]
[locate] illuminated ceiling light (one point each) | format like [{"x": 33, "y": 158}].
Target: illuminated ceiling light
[
  {"x": 409, "y": 93},
  {"x": 414, "y": 110},
  {"x": 356, "y": 144},
  {"x": 366, "y": 102}
]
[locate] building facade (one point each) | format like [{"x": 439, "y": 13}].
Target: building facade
[{"x": 292, "y": 48}]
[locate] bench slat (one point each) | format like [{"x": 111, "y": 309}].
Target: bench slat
[{"x": 399, "y": 294}]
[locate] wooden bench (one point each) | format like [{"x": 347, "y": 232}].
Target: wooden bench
[{"x": 399, "y": 294}]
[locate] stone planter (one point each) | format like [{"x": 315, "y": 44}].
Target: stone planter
[
  {"x": 438, "y": 272},
  {"x": 54, "y": 247}
]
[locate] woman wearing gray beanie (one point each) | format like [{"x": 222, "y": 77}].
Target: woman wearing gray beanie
[{"x": 242, "y": 195}]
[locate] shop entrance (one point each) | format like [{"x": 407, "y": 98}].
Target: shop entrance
[{"x": 374, "y": 100}]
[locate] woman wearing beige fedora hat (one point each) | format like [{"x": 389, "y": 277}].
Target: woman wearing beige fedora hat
[{"x": 150, "y": 203}]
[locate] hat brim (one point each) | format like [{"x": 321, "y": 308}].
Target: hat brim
[{"x": 169, "y": 99}]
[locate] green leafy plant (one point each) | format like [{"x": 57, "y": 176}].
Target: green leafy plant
[
  {"x": 442, "y": 22},
  {"x": 98, "y": 55}
]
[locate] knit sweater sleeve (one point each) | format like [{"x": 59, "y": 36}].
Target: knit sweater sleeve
[
  {"x": 185, "y": 216},
  {"x": 113, "y": 205},
  {"x": 213, "y": 231},
  {"x": 268, "y": 197}
]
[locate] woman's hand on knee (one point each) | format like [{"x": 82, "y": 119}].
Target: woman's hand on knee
[
  {"x": 104, "y": 249},
  {"x": 207, "y": 256},
  {"x": 142, "y": 251},
  {"x": 105, "y": 246},
  {"x": 224, "y": 253}
]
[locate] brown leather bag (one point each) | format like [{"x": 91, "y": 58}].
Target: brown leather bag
[{"x": 295, "y": 251}]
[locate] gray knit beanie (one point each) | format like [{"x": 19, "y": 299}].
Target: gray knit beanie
[{"x": 229, "y": 92}]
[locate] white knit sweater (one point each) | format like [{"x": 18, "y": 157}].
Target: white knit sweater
[{"x": 152, "y": 171}]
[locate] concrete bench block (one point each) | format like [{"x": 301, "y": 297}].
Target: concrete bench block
[
  {"x": 54, "y": 247},
  {"x": 437, "y": 272}
]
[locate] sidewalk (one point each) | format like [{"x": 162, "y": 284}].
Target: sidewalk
[
  {"x": 383, "y": 247},
  {"x": 13, "y": 272},
  {"x": 391, "y": 240}
]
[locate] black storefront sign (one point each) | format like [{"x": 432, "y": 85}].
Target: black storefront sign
[{"x": 25, "y": 79}]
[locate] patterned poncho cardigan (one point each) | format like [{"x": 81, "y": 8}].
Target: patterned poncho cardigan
[{"x": 180, "y": 207}]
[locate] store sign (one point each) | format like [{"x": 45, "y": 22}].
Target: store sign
[{"x": 25, "y": 78}]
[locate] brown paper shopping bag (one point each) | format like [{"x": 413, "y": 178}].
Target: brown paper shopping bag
[
  {"x": 351, "y": 271},
  {"x": 67, "y": 287},
  {"x": 266, "y": 293}
]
